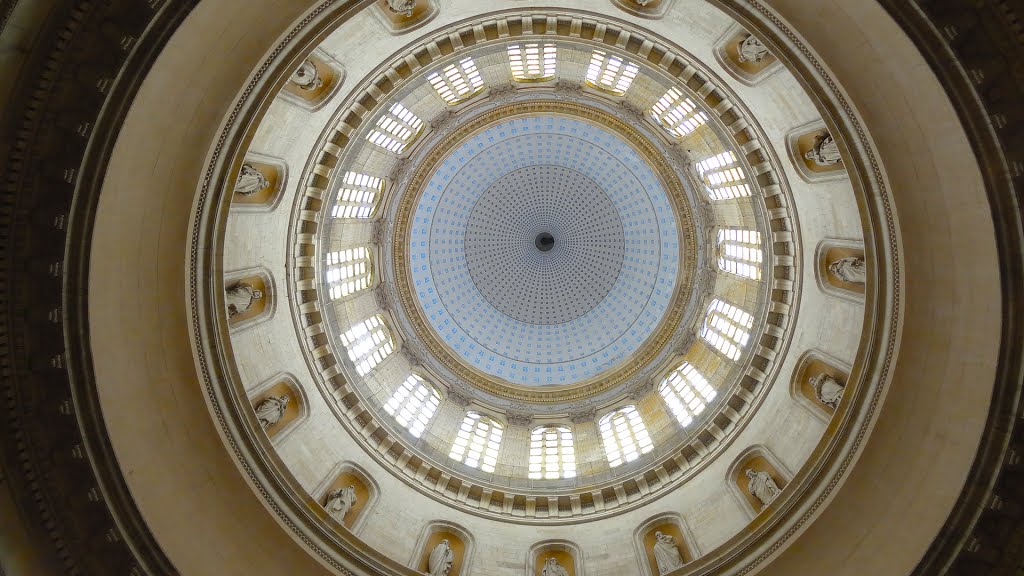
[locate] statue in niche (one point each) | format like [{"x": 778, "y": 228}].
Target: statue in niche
[
  {"x": 762, "y": 486},
  {"x": 403, "y": 7},
  {"x": 340, "y": 502},
  {"x": 851, "y": 269},
  {"x": 751, "y": 50},
  {"x": 827, "y": 389},
  {"x": 825, "y": 151},
  {"x": 666, "y": 553},
  {"x": 644, "y": 3},
  {"x": 307, "y": 77},
  {"x": 553, "y": 568},
  {"x": 441, "y": 559},
  {"x": 271, "y": 410},
  {"x": 250, "y": 181},
  {"x": 240, "y": 297}
]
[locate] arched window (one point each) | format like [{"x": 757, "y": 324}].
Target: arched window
[
  {"x": 358, "y": 196},
  {"x": 677, "y": 113},
  {"x": 552, "y": 455},
  {"x": 723, "y": 178},
  {"x": 476, "y": 445},
  {"x": 610, "y": 73},
  {"x": 739, "y": 252},
  {"x": 727, "y": 328},
  {"x": 413, "y": 404},
  {"x": 532, "y": 62},
  {"x": 368, "y": 343},
  {"x": 348, "y": 271},
  {"x": 686, "y": 392},
  {"x": 396, "y": 129},
  {"x": 456, "y": 82},
  {"x": 625, "y": 436}
]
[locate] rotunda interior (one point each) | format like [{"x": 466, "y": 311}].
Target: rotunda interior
[{"x": 463, "y": 287}]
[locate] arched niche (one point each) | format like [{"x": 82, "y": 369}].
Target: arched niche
[
  {"x": 735, "y": 57},
  {"x": 644, "y": 539},
  {"x": 801, "y": 141},
  {"x": 250, "y": 194},
  {"x": 460, "y": 541},
  {"x": 565, "y": 552},
  {"x": 253, "y": 281},
  {"x": 367, "y": 492},
  {"x": 651, "y": 9},
  {"x": 296, "y": 411},
  {"x": 829, "y": 251},
  {"x": 419, "y": 13},
  {"x": 309, "y": 89},
  {"x": 813, "y": 364},
  {"x": 758, "y": 459}
]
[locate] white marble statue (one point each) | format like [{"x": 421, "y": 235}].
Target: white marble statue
[
  {"x": 240, "y": 297},
  {"x": 271, "y": 410},
  {"x": 643, "y": 3},
  {"x": 851, "y": 269},
  {"x": 250, "y": 181},
  {"x": 307, "y": 77},
  {"x": 404, "y": 7},
  {"x": 553, "y": 568},
  {"x": 827, "y": 389},
  {"x": 762, "y": 486},
  {"x": 751, "y": 50},
  {"x": 440, "y": 561},
  {"x": 825, "y": 151},
  {"x": 666, "y": 553},
  {"x": 340, "y": 502}
]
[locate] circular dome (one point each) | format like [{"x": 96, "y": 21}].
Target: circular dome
[{"x": 538, "y": 316}]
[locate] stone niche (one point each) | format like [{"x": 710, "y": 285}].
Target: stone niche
[
  {"x": 275, "y": 173},
  {"x": 296, "y": 411},
  {"x": 566, "y": 553},
  {"x": 396, "y": 23},
  {"x": 811, "y": 364},
  {"x": 758, "y": 459},
  {"x": 315, "y": 95},
  {"x": 671, "y": 524},
  {"x": 344, "y": 475},
  {"x": 261, "y": 309},
  {"x": 459, "y": 540},
  {"x": 831, "y": 250},
  {"x": 652, "y": 9},
  {"x": 743, "y": 62},
  {"x": 801, "y": 141}
]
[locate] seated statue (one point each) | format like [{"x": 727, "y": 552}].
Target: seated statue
[
  {"x": 340, "y": 502},
  {"x": 827, "y": 389},
  {"x": 851, "y": 269},
  {"x": 825, "y": 151},
  {"x": 751, "y": 50},
  {"x": 240, "y": 297},
  {"x": 307, "y": 77},
  {"x": 250, "y": 181},
  {"x": 404, "y": 7},
  {"x": 553, "y": 568},
  {"x": 271, "y": 410}
]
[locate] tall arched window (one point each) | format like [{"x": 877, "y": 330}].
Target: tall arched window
[
  {"x": 413, "y": 404},
  {"x": 552, "y": 455},
  {"x": 727, "y": 328},
  {"x": 368, "y": 343},
  {"x": 686, "y": 392},
  {"x": 358, "y": 196},
  {"x": 739, "y": 252},
  {"x": 610, "y": 73},
  {"x": 532, "y": 62},
  {"x": 457, "y": 82},
  {"x": 396, "y": 129},
  {"x": 625, "y": 436},
  {"x": 477, "y": 443},
  {"x": 723, "y": 177},
  {"x": 348, "y": 271},
  {"x": 677, "y": 114}
]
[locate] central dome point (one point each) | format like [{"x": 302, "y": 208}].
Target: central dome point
[{"x": 544, "y": 242}]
